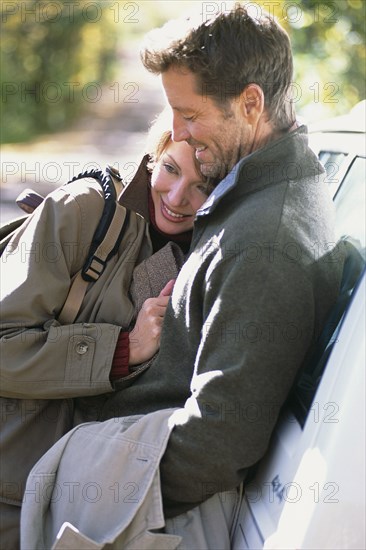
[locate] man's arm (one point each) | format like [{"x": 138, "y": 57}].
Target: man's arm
[{"x": 258, "y": 324}]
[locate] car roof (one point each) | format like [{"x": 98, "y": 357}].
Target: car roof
[
  {"x": 354, "y": 121},
  {"x": 343, "y": 134}
]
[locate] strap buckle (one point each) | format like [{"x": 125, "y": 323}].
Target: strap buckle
[{"x": 93, "y": 269}]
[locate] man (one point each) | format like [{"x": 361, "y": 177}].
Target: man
[{"x": 249, "y": 302}]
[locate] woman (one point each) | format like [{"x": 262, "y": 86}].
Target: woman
[{"x": 46, "y": 365}]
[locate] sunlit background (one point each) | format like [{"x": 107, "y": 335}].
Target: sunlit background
[{"x": 73, "y": 88}]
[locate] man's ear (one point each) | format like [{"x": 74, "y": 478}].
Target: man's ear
[{"x": 252, "y": 102}]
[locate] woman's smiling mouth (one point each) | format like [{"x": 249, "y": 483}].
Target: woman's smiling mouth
[{"x": 171, "y": 215}]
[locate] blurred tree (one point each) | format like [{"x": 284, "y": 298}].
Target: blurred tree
[
  {"x": 56, "y": 56},
  {"x": 328, "y": 39}
]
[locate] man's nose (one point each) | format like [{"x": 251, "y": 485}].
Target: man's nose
[{"x": 180, "y": 132}]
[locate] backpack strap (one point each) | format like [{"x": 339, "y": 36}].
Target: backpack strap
[
  {"x": 105, "y": 243},
  {"x": 8, "y": 229},
  {"x": 74, "y": 300}
]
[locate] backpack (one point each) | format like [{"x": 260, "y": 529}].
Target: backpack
[{"x": 104, "y": 245}]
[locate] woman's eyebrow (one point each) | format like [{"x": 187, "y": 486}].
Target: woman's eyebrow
[{"x": 173, "y": 160}]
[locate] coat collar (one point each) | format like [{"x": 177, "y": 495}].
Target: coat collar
[
  {"x": 135, "y": 195},
  {"x": 288, "y": 158}
]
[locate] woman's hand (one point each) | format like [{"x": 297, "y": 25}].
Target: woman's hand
[{"x": 145, "y": 337}]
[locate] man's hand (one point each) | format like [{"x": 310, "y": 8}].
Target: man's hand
[{"x": 145, "y": 337}]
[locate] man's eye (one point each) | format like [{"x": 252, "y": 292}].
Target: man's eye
[
  {"x": 187, "y": 118},
  {"x": 205, "y": 189}
]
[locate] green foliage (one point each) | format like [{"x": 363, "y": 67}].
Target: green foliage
[
  {"x": 328, "y": 40},
  {"x": 335, "y": 54},
  {"x": 56, "y": 56}
]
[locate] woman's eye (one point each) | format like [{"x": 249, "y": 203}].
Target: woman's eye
[{"x": 169, "y": 168}]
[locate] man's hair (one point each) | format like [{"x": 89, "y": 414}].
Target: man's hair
[{"x": 226, "y": 53}]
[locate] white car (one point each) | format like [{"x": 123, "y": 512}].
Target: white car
[{"x": 309, "y": 490}]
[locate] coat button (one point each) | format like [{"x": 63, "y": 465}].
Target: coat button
[{"x": 81, "y": 348}]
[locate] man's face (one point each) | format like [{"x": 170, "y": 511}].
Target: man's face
[{"x": 220, "y": 136}]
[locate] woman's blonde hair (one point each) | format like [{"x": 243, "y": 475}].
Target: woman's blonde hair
[{"x": 159, "y": 138}]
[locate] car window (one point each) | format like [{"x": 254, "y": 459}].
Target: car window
[
  {"x": 335, "y": 166},
  {"x": 332, "y": 163},
  {"x": 350, "y": 206},
  {"x": 350, "y": 203}
]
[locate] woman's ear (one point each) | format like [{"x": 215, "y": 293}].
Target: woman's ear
[{"x": 252, "y": 103}]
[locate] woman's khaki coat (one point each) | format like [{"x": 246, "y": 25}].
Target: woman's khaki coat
[{"x": 44, "y": 364}]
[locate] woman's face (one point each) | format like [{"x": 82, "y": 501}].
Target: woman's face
[{"x": 177, "y": 189}]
